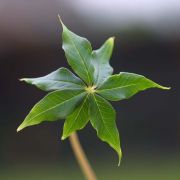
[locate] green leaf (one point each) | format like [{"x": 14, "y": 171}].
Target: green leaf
[
  {"x": 60, "y": 79},
  {"x": 80, "y": 100},
  {"x": 78, "y": 53},
  {"x": 125, "y": 85},
  {"x": 100, "y": 60},
  {"x": 102, "y": 118},
  {"x": 77, "y": 119},
  {"x": 56, "y": 105}
]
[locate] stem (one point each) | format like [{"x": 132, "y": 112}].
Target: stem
[{"x": 81, "y": 158}]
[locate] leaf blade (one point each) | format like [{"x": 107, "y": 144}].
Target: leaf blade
[
  {"x": 56, "y": 105},
  {"x": 102, "y": 118},
  {"x": 100, "y": 60},
  {"x": 60, "y": 79},
  {"x": 77, "y": 119},
  {"x": 125, "y": 85},
  {"x": 78, "y": 53}
]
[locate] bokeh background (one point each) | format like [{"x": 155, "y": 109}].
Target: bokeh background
[{"x": 147, "y": 42}]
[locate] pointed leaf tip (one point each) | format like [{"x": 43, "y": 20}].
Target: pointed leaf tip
[
  {"x": 125, "y": 85},
  {"x": 63, "y": 138},
  {"x": 111, "y": 39},
  {"x": 60, "y": 20},
  {"x": 78, "y": 52},
  {"x": 19, "y": 128},
  {"x": 120, "y": 157},
  {"x": 100, "y": 60},
  {"x": 59, "y": 17},
  {"x": 27, "y": 80},
  {"x": 165, "y": 88},
  {"x": 22, "y": 79},
  {"x": 56, "y": 105},
  {"x": 162, "y": 87},
  {"x": 60, "y": 79},
  {"x": 102, "y": 118}
]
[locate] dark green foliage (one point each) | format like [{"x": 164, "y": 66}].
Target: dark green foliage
[{"x": 83, "y": 99}]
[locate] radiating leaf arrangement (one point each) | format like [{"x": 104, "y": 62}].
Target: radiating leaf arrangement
[{"x": 83, "y": 99}]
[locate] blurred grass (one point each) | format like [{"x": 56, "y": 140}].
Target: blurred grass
[{"x": 159, "y": 169}]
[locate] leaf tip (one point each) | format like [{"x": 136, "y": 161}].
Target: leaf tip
[
  {"x": 19, "y": 128},
  {"x": 120, "y": 157},
  {"x": 60, "y": 20},
  {"x": 27, "y": 80},
  {"x": 111, "y": 40},
  {"x": 63, "y": 137},
  {"x": 165, "y": 88},
  {"x": 22, "y": 79}
]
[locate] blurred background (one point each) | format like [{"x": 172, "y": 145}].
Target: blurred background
[{"x": 147, "y": 42}]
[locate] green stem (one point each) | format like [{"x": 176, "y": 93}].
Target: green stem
[{"x": 81, "y": 158}]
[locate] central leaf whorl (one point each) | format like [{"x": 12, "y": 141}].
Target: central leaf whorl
[{"x": 90, "y": 89}]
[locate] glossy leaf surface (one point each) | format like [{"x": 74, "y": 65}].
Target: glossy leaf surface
[
  {"x": 100, "y": 60},
  {"x": 124, "y": 85},
  {"x": 81, "y": 99},
  {"x": 78, "y": 53},
  {"x": 60, "y": 79},
  {"x": 102, "y": 117},
  {"x": 77, "y": 119},
  {"x": 56, "y": 105}
]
